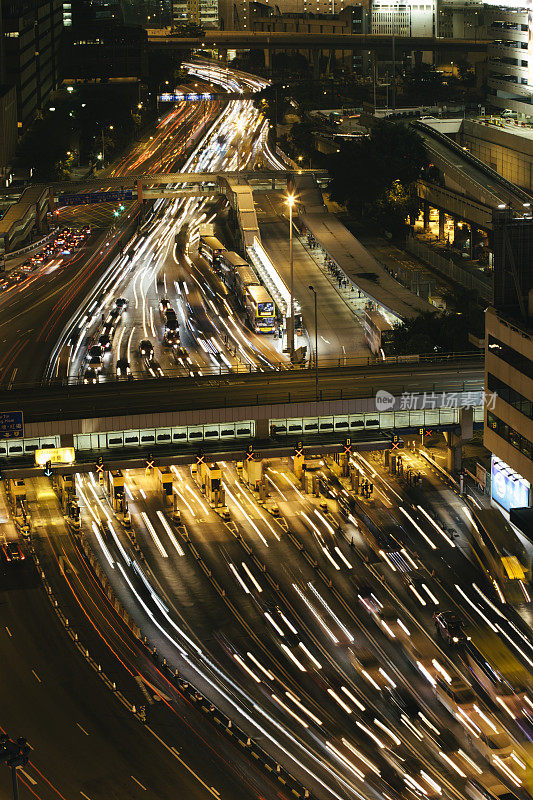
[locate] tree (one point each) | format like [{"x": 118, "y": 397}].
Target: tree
[
  {"x": 376, "y": 173},
  {"x": 423, "y": 82},
  {"x": 431, "y": 333},
  {"x": 189, "y": 30},
  {"x": 396, "y": 205}
]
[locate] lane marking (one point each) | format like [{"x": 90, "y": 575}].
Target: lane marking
[
  {"x": 9, "y": 632},
  {"x": 40, "y": 681},
  {"x": 28, "y": 777},
  {"x": 84, "y": 795},
  {"x": 136, "y": 781},
  {"x": 182, "y": 762},
  {"x": 82, "y": 729}
]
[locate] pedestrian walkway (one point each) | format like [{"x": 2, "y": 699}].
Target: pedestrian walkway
[{"x": 344, "y": 287}]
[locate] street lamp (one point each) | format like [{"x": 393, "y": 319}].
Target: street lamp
[
  {"x": 312, "y": 288},
  {"x": 14, "y": 754},
  {"x": 290, "y": 203}
]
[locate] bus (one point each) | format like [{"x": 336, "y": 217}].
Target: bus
[
  {"x": 378, "y": 331},
  {"x": 505, "y": 679},
  {"x": 501, "y": 555},
  {"x": 211, "y": 249},
  {"x": 230, "y": 263},
  {"x": 260, "y": 309},
  {"x": 244, "y": 277}
]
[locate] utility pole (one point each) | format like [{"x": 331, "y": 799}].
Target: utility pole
[
  {"x": 394, "y": 66},
  {"x": 312, "y": 288}
]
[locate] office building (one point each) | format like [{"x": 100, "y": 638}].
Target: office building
[
  {"x": 200, "y": 12},
  {"x": 510, "y": 60},
  {"x": 240, "y": 14},
  {"x": 404, "y": 18},
  {"x": 32, "y": 42},
  {"x": 508, "y": 432}
]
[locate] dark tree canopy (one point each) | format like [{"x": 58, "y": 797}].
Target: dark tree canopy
[{"x": 363, "y": 171}]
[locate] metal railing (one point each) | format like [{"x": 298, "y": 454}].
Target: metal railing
[
  {"x": 495, "y": 177},
  {"x": 462, "y": 361}
]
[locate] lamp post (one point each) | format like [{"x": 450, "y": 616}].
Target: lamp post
[
  {"x": 290, "y": 203},
  {"x": 312, "y": 288},
  {"x": 13, "y": 755}
]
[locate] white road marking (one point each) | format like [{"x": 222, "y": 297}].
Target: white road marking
[
  {"x": 9, "y": 632},
  {"x": 28, "y": 777},
  {"x": 136, "y": 781},
  {"x": 40, "y": 681},
  {"x": 182, "y": 762},
  {"x": 82, "y": 729},
  {"x": 84, "y": 795}
]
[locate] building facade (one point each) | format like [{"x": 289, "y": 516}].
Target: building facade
[
  {"x": 510, "y": 62},
  {"x": 32, "y": 43},
  {"x": 404, "y": 18},
  {"x": 508, "y": 430},
  {"x": 200, "y": 12}
]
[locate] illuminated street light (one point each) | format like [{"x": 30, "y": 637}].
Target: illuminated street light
[{"x": 290, "y": 331}]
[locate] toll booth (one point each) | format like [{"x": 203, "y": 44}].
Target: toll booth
[
  {"x": 64, "y": 487},
  {"x": 165, "y": 480},
  {"x": 73, "y": 512},
  {"x": 115, "y": 489},
  {"x": 213, "y": 485},
  {"x": 17, "y": 490},
  {"x": 252, "y": 472},
  {"x": 311, "y": 466}
]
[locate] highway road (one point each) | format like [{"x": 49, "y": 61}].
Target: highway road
[
  {"x": 279, "y": 639},
  {"x": 84, "y": 742},
  {"x": 36, "y": 310}
]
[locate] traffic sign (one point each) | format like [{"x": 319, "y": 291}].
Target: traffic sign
[
  {"x": 179, "y": 97},
  {"x": 11, "y": 425},
  {"x": 88, "y": 198}
]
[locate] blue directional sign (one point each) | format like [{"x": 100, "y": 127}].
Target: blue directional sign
[
  {"x": 11, "y": 425},
  {"x": 94, "y": 197}
]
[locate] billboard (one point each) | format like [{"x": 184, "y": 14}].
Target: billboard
[{"x": 509, "y": 489}]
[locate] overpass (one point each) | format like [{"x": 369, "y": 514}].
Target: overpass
[
  {"x": 466, "y": 175},
  {"x": 170, "y": 414},
  {"x": 294, "y": 40},
  {"x": 379, "y": 44},
  {"x": 29, "y": 212}
]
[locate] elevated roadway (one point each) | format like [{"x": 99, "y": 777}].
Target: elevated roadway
[
  {"x": 465, "y": 174},
  {"x": 259, "y": 396},
  {"x": 298, "y": 39}
]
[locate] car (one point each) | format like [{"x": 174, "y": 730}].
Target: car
[
  {"x": 104, "y": 341},
  {"x": 95, "y": 350},
  {"x": 90, "y": 376},
  {"x": 114, "y": 314},
  {"x": 12, "y": 553},
  {"x": 403, "y": 702},
  {"x": 123, "y": 368},
  {"x": 121, "y": 303},
  {"x": 146, "y": 349},
  {"x": 95, "y": 363},
  {"x": 164, "y": 305},
  {"x": 449, "y": 626}
]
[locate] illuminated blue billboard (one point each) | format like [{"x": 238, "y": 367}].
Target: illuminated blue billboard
[{"x": 509, "y": 490}]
